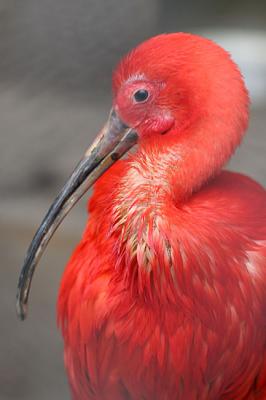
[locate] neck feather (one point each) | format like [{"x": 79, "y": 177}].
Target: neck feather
[{"x": 160, "y": 177}]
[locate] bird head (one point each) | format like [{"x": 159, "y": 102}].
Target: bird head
[
  {"x": 173, "y": 87},
  {"x": 175, "y": 83}
]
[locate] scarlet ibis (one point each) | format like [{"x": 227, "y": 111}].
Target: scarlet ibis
[{"x": 165, "y": 296}]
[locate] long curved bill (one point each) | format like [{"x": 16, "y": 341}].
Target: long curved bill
[{"x": 113, "y": 141}]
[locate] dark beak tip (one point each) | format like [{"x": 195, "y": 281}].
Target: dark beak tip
[{"x": 21, "y": 310}]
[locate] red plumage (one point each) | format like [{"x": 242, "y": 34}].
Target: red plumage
[{"x": 164, "y": 298}]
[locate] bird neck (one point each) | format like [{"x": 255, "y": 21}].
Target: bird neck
[
  {"x": 181, "y": 162},
  {"x": 160, "y": 177}
]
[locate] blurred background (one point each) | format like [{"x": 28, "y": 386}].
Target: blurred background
[{"x": 56, "y": 59}]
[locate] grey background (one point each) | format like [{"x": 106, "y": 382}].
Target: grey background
[{"x": 56, "y": 59}]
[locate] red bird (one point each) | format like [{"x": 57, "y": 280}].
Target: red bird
[{"x": 165, "y": 296}]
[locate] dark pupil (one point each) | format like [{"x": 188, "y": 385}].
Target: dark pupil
[{"x": 141, "y": 95}]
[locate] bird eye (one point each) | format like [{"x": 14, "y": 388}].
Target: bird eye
[{"x": 141, "y": 95}]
